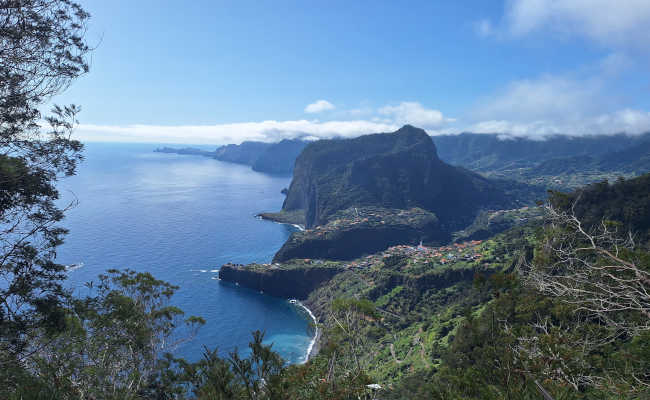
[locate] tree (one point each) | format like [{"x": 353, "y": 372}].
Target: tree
[
  {"x": 42, "y": 49},
  {"x": 116, "y": 344},
  {"x": 602, "y": 276},
  {"x": 349, "y": 316},
  {"x": 599, "y": 270}
]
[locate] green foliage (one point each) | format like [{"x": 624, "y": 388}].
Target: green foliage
[
  {"x": 464, "y": 330},
  {"x": 114, "y": 342},
  {"x": 624, "y": 201},
  {"x": 264, "y": 376},
  {"x": 489, "y": 223},
  {"x": 42, "y": 50},
  {"x": 385, "y": 299}
]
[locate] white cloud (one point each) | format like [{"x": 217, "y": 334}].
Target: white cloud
[
  {"x": 547, "y": 97},
  {"x": 266, "y": 131},
  {"x": 359, "y": 122},
  {"x": 631, "y": 122},
  {"x": 414, "y": 113},
  {"x": 319, "y": 106},
  {"x": 591, "y": 99},
  {"x": 587, "y": 102},
  {"x": 551, "y": 105},
  {"x": 532, "y": 108},
  {"x": 609, "y": 22}
]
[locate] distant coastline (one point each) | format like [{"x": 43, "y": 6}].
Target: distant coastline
[{"x": 295, "y": 219}]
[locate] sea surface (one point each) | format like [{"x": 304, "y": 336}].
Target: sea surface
[{"x": 180, "y": 218}]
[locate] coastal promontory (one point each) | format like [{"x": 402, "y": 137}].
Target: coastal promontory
[{"x": 398, "y": 170}]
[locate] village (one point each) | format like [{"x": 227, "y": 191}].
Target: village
[{"x": 467, "y": 251}]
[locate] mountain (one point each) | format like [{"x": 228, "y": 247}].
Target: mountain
[
  {"x": 429, "y": 314},
  {"x": 398, "y": 170},
  {"x": 632, "y": 159},
  {"x": 558, "y": 162},
  {"x": 244, "y": 153},
  {"x": 492, "y": 152},
  {"x": 279, "y": 158},
  {"x": 271, "y": 158}
]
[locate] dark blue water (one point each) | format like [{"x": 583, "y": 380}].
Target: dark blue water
[{"x": 181, "y": 218}]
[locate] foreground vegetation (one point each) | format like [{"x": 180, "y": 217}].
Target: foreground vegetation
[{"x": 555, "y": 308}]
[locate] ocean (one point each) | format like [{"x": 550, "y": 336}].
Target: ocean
[{"x": 180, "y": 218}]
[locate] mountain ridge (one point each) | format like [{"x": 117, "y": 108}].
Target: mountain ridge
[{"x": 271, "y": 158}]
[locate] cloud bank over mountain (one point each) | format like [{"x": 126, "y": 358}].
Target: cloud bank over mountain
[{"x": 526, "y": 108}]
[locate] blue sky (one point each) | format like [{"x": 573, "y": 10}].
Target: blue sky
[{"x": 213, "y": 72}]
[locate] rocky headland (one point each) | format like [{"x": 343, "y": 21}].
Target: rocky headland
[{"x": 296, "y": 279}]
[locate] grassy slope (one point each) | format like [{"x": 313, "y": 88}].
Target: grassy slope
[{"x": 421, "y": 300}]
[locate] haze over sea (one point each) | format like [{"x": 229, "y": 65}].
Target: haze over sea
[{"x": 180, "y": 218}]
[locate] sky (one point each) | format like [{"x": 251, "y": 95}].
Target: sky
[{"x": 217, "y": 72}]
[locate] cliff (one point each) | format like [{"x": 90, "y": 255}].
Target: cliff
[
  {"x": 356, "y": 232},
  {"x": 293, "y": 280},
  {"x": 280, "y": 157},
  {"x": 398, "y": 170},
  {"x": 271, "y": 158},
  {"x": 245, "y": 153}
]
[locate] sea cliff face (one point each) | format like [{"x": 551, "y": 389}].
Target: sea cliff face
[
  {"x": 270, "y": 158},
  {"x": 296, "y": 280}
]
